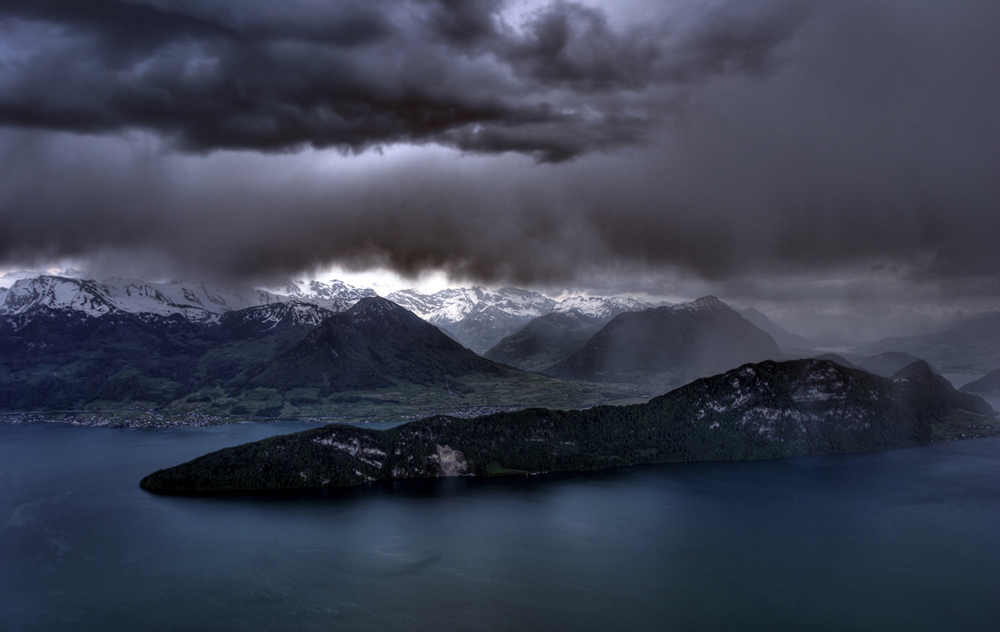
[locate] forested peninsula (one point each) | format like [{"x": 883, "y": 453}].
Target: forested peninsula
[{"x": 757, "y": 411}]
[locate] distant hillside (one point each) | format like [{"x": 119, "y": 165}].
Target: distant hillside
[
  {"x": 839, "y": 359},
  {"x": 971, "y": 347},
  {"x": 888, "y": 363},
  {"x": 989, "y": 384},
  {"x": 762, "y": 411},
  {"x": 669, "y": 345},
  {"x": 784, "y": 338},
  {"x": 546, "y": 340}
]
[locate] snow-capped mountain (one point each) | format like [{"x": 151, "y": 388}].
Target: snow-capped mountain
[
  {"x": 336, "y": 296},
  {"x": 479, "y": 318},
  {"x": 451, "y": 306},
  {"x": 602, "y": 307},
  {"x": 195, "y": 301},
  {"x": 265, "y": 318},
  {"x": 476, "y": 317}
]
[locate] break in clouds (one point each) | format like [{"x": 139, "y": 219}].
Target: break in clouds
[{"x": 539, "y": 143}]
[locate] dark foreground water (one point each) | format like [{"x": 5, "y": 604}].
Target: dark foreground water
[{"x": 902, "y": 540}]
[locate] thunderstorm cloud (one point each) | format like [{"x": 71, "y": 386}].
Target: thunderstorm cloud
[{"x": 546, "y": 143}]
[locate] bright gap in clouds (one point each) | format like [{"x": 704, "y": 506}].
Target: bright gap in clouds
[{"x": 381, "y": 280}]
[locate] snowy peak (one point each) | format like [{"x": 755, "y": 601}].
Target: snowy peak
[
  {"x": 335, "y": 295},
  {"x": 602, "y": 307},
  {"x": 371, "y": 306},
  {"x": 57, "y": 293},
  {"x": 195, "y": 301},
  {"x": 286, "y": 313},
  {"x": 703, "y": 305},
  {"x": 479, "y": 318},
  {"x": 453, "y": 305}
]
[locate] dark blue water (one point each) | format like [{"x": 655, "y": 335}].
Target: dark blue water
[{"x": 902, "y": 540}]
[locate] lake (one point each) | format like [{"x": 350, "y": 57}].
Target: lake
[{"x": 900, "y": 540}]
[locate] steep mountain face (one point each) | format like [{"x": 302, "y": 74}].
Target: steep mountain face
[
  {"x": 197, "y": 302},
  {"x": 757, "y": 411},
  {"x": 546, "y": 340},
  {"x": 989, "y": 384},
  {"x": 785, "y": 339},
  {"x": 669, "y": 344},
  {"x": 973, "y": 346},
  {"x": 374, "y": 344}
]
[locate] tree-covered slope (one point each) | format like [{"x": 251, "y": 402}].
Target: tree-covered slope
[{"x": 758, "y": 411}]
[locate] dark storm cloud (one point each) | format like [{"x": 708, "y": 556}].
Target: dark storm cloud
[
  {"x": 738, "y": 143},
  {"x": 248, "y": 75}
]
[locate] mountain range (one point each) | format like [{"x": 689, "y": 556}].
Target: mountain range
[
  {"x": 479, "y": 318},
  {"x": 757, "y": 411},
  {"x": 476, "y": 317},
  {"x": 195, "y": 301},
  {"x": 71, "y": 344},
  {"x": 182, "y": 347},
  {"x": 285, "y": 358}
]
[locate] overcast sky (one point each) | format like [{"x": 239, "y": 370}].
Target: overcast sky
[{"x": 765, "y": 151}]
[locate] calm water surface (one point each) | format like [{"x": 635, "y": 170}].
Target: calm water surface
[{"x": 901, "y": 540}]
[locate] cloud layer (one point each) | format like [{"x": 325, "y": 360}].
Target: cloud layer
[
  {"x": 737, "y": 145},
  {"x": 266, "y": 76}
]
